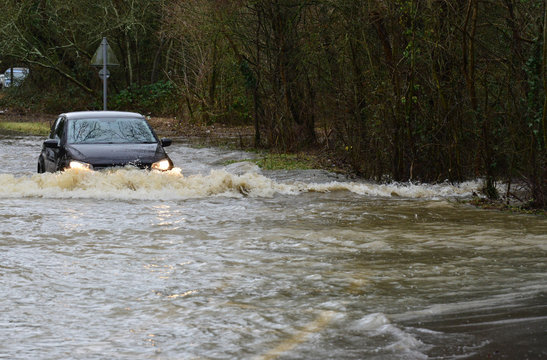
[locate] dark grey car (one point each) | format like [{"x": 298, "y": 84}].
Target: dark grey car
[{"x": 96, "y": 140}]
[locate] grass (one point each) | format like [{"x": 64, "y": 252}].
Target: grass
[
  {"x": 28, "y": 128},
  {"x": 286, "y": 162},
  {"x": 276, "y": 161}
]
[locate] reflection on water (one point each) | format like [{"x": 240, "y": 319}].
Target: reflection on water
[{"x": 223, "y": 262}]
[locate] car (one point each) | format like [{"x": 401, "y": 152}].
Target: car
[
  {"x": 96, "y": 140},
  {"x": 17, "y": 74}
]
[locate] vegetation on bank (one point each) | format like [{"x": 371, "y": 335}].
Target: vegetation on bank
[
  {"x": 30, "y": 128},
  {"x": 408, "y": 90},
  {"x": 276, "y": 161},
  {"x": 488, "y": 204}
]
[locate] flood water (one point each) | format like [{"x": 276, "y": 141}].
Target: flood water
[{"x": 221, "y": 261}]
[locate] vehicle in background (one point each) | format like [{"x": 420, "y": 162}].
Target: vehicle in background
[
  {"x": 16, "y": 74},
  {"x": 2, "y": 76},
  {"x": 95, "y": 140}
]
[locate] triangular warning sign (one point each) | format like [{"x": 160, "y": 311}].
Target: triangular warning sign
[{"x": 97, "y": 59}]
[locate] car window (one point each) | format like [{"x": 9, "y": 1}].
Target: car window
[
  {"x": 57, "y": 129},
  {"x": 109, "y": 130},
  {"x": 52, "y": 131}
]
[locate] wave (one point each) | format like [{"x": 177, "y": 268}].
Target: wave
[
  {"x": 402, "y": 344},
  {"x": 130, "y": 183}
]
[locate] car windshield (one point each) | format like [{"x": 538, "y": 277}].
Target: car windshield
[{"x": 109, "y": 131}]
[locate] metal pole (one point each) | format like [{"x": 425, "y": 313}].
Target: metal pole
[{"x": 105, "y": 44}]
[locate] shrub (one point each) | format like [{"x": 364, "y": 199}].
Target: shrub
[{"x": 157, "y": 98}]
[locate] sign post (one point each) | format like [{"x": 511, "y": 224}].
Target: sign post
[
  {"x": 104, "y": 56},
  {"x": 105, "y": 79}
]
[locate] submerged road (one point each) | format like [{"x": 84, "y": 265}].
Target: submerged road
[{"x": 216, "y": 261}]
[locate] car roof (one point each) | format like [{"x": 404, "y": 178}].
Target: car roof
[
  {"x": 17, "y": 69},
  {"x": 100, "y": 114}
]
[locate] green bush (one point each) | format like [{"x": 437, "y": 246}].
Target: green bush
[{"x": 157, "y": 98}]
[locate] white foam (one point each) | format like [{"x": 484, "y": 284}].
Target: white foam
[
  {"x": 402, "y": 342},
  {"x": 370, "y": 322},
  {"x": 405, "y": 190},
  {"x": 129, "y": 183}
]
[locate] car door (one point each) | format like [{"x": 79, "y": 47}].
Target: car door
[{"x": 53, "y": 154}]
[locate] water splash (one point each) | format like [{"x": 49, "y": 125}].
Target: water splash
[{"x": 132, "y": 184}]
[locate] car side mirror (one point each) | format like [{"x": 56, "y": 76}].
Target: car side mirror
[
  {"x": 166, "y": 142},
  {"x": 51, "y": 143}
]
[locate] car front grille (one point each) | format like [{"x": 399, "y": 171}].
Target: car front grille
[{"x": 110, "y": 166}]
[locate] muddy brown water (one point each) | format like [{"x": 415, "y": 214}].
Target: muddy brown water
[{"x": 215, "y": 261}]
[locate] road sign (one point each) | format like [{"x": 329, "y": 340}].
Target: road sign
[
  {"x": 102, "y": 73},
  {"x": 98, "y": 58},
  {"x": 103, "y": 57}
]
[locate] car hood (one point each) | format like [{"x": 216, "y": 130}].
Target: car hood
[{"x": 116, "y": 154}]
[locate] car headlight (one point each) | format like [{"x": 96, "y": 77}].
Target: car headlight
[
  {"x": 73, "y": 164},
  {"x": 161, "y": 165}
]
